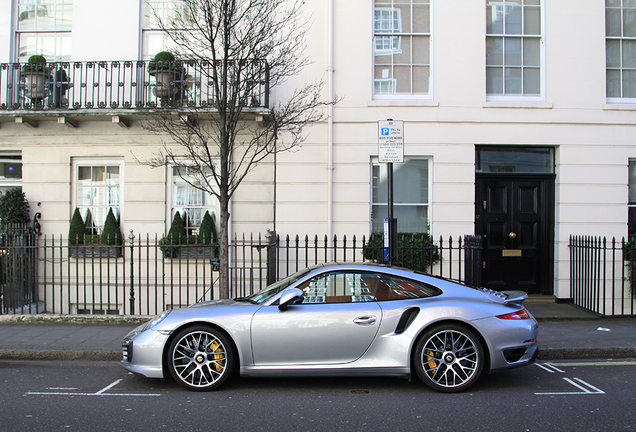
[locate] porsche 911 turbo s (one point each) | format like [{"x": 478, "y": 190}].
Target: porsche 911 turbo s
[{"x": 340, "y": 319}]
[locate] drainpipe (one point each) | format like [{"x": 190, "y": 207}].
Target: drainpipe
[{"x": 330, "y": 90}]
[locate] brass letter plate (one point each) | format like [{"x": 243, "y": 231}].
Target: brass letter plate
[{"x": 511, "y": 252}]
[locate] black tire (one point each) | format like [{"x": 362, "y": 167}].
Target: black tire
[
  {"x": 200, "y": 358},
  {"x": 449, "y": 358}
]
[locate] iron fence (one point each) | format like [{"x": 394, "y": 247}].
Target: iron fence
[
  {"x": 146, "y": 276},
  {"x": 601, "y": 275},
  {"x": 124, "y": 85}
]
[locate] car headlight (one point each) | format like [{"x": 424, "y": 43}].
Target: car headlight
[{"x": 156, "y": 321}]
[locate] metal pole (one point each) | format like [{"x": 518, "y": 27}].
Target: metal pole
[
  {"x": 392, "y": 231},
  {"x": 131, "y": 238}
]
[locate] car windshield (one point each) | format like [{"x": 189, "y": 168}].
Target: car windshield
[{"x": 262, "y": 296}]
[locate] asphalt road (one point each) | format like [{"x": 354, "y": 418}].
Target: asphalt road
[{"x": 100, "y": 396}]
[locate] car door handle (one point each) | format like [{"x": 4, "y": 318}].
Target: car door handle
[{"x": 365, "y": 320}]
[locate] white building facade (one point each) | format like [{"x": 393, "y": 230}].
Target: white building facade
[{"x": 519, "y": 126}]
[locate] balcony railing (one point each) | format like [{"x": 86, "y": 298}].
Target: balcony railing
[{"x": 123, "y": 85}]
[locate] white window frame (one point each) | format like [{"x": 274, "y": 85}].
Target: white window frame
[
  {"x": 213, "y": 207},
  {"x": 148, "y": 29},
  {"x": 60, "y": 36},
  {"x": 428, "y": 204},
  {"x": 542, "y": 60},
  {"x": 397, "y": 49},
  {"x": 621, "y": 39},
  {"x": 77, "y": 162}
]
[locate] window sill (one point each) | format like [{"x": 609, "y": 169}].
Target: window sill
[
  {"x": 523, "y": 105},
  {"x": 402, "y": 103},
  {"x": 619, "y": 107}
]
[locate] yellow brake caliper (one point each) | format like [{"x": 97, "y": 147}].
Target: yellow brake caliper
[
  {"x": 430, "y": 360},
  {"x": 219, "y": 364}
]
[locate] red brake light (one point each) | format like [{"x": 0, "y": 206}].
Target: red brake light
[{"x": 522, "y": 314}]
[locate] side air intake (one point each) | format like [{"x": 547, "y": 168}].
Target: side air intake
[{"x": 406, "y": 319}]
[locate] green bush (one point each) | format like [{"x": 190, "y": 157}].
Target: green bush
[
  {"x": 36, "y": 63},
  {"x": 165, "y": 61},
  {"x": 207, "y": 230},
  {"x": 14, "y": 208},
  {"x": 111, "y": 234},
  {"x": 415, "y": 251},
  {"x": 77, "y": 229},
  {"x": 176, "y": 236}
]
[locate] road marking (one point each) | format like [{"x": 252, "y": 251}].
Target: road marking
[
  {"x": 101, "y": 392},
  {"x": 599, "y": 363},
  {"x": 549, "y": 367},
  {"x": 584, "y": 390},
  {"x": 108, "y": 387}
]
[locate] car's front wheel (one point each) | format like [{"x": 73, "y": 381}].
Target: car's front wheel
[
  {"x": 449, "y": 358},
  {"x": 200, "y": 358}
]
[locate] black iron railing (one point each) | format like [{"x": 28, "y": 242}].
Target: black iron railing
[
  {"x": 602, "y": 275},
  {"x": 124, "y": 85},
  {"x": 146, "y": 275}
]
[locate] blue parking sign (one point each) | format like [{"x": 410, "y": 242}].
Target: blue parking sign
[{"x": 385, "y": 131}]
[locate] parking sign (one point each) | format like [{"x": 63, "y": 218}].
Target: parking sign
[{"x": 391, "y": 141}]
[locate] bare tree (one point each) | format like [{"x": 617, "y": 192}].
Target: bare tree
[{"x": 240, "y": 47}]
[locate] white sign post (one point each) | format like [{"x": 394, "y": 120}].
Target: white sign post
[{"x": 391, "y": 141}]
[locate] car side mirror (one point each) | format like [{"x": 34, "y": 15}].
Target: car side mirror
[{"x": 289, "y": 296}]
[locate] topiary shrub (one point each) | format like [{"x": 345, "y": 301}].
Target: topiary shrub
[
  {"x": 207, "y": 230},
  {"x": 164, "y": 61},
  {"x": 14, "y": 208},
  {"x": 111, "y": 234},
  {"x": 36, "y": 63},
  {"x": 77, "y": 229},
  {"x": 176, "y": 235}
]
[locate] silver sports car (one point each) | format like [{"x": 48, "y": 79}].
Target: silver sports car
[{"x": 340, "y": 319}]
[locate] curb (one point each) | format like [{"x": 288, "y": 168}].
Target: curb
[
  {"x": 585, "y": 353},
  {"x": 60, "y": 355},
  {"x": 74, "y": 319}
]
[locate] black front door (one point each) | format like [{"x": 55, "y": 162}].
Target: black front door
[{"x": 515, "y": 216}]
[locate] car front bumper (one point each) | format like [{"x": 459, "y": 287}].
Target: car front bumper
[{"x": 143, "y": 352}]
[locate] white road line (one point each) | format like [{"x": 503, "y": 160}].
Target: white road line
[
  {"x": 585, "y": 391},
  {"x": 598, "y": 363},
  {"x": 102, "y": 392},
  {"x": 590, "y": 386},
  {"x": 549, "y": 367},
  {"x": 91, "y": 394},
  {"x": 108, "y": 387}
]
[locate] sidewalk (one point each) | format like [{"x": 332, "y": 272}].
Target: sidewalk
[{"x": 565, "y": 332}]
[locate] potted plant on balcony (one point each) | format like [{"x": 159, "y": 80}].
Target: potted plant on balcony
[
  {"x": 36, "y": 73},
  {"x": 168, "y": 73}
]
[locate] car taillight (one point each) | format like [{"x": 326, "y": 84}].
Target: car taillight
[{"x": 522, "y": 314}]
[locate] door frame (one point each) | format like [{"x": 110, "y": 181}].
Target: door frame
[{"x": 546, "y": 249}]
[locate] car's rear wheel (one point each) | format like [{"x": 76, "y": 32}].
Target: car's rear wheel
[
  {"x": 200, "y": 358},
  {"x": 449, "y": 358}
]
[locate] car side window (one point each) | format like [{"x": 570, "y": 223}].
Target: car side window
[
  {"x": 341, "y": 287},
  {"x": 397, "y": 288}
]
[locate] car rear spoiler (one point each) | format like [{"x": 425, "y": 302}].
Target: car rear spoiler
[{"x": 515, "y": 297}]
